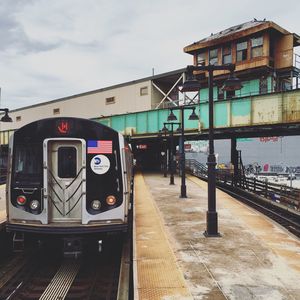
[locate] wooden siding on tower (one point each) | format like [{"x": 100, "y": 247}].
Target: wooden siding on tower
[{"x": 284, "y": 52}]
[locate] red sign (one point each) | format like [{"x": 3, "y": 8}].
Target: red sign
[
  {"x": 269, "y": 139},
  {"x": 142, "y": 146},
  {"x": 63, "y": 127},
  {"x": 187, "y": 146}
]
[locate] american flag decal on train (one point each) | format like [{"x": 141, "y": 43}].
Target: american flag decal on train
[{"x": 99, "y": 147}]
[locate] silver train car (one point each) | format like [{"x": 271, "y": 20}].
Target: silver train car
[{"x": 68, "y": 176}]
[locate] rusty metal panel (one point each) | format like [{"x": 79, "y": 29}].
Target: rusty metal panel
[
  {"x": 104, "y": 121},
  {"x": 240, "y": 112},
  {"x": 130, "y": 123},
  {"x": 221, "y": 114},
  {"x": 162, "y": 117},
  {"x": 142, "y": 121},
  {"x": 118, "y": 123},
  {"x": 284, "y": 51},
  {"x": 255, "y": 110},
  {"x": 266, "y": 109},
  {"x": 204, "y": 122},
  {"x": 152, "y": 121},
  {"x": 291, "y": 107}
]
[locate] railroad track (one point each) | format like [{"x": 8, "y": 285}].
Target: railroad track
[
  {"x": 282, "y": 216},
  {"x": 45, "y": 274}
]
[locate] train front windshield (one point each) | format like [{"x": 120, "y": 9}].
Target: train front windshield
[{"x": 27, "y": 165}]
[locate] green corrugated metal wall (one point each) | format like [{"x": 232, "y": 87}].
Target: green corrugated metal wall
[{"x": 255, "y": 110}]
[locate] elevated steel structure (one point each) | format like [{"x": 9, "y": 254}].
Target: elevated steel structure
[{"x": 251, "y": 116}]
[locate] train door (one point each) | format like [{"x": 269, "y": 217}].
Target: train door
[{"x": 65, "y": 179}]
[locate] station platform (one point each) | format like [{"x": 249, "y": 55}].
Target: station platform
[{"x": 254, "y": 258}]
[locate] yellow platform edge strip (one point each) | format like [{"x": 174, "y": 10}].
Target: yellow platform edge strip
[{"x": 156, "y": 273}]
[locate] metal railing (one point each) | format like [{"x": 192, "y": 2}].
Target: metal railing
[{"x": 278, "y": 193}]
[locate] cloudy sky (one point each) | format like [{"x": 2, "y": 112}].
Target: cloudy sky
[{"x": 55, "y": 48}]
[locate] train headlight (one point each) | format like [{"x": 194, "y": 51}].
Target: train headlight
[
  {"x": 96, "y": 204},
  {"x": 21, "y": 200},
  {"x": 111, "y": 200},
  {"x": 34, "y": 204}
]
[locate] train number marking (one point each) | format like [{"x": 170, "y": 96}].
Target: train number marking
[{"x": 63, "y": 127}]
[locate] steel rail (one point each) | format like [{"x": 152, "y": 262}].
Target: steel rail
[{"x": 274, "y": 213}]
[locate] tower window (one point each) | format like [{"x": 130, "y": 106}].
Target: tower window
[
  {"x": 201, "y": 59},
  {"x": 227, "y": 57},
  {"x": 257, "y": 47},
  {"x": 241, "y": 51},
  {"x": 213, "y": 57}
]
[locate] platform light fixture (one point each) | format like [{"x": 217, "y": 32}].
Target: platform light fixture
[
  {"x": 172, "y": 117},
  {"x": 164, "y": 152},
  {"x": 232, "y": 83},
  {"x": 190, "y": 85},
  {"x": 6, "y": 117},
  {"x": 165, "y": 129}
]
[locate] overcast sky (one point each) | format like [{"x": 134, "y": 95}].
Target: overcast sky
[{"x": 55, "y": 48}]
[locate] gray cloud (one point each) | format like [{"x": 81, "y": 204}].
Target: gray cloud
[
  {"x": 12, "y": 36},
  {"x": 52, "y": 49}
]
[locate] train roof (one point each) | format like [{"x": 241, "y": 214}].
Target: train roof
[{"x": 68, "y": 127}]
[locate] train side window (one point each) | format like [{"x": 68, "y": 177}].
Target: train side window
[
  {"x": 67, "y": 162},
  {"x": 27, "y": 168}
]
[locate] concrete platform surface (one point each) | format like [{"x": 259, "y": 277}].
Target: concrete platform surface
[
  {"x": 156, "y": 273},
  {"x": 253, "y": 259}
]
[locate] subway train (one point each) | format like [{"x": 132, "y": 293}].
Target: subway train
[{"x": 68, "y": 177}]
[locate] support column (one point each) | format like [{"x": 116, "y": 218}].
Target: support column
[
  {"x": 180, "y": 151},
  {"x": 182, "y": 156},
  {"x": 211, "y": 214},
  {"x": 165, "y": 158},
  {"x": 234, "y": 160},
  {"x": 172, "y": 158}
]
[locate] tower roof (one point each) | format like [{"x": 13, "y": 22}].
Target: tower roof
[{"x": 238, "y": 31}]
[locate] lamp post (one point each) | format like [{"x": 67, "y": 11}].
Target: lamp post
[
  {"x": 164, "y": 152},
  {"x": 172, "y": 117},
  {"x": 192, "y": 85},
  {"x": 165, "y": 129},
  {"x": 5, "y": 118}
]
